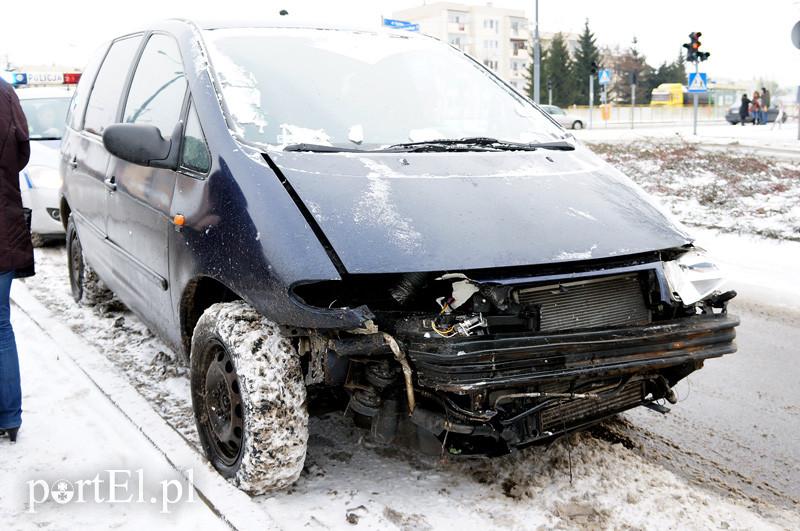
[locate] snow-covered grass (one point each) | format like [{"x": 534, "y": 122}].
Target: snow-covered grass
[
  {"x": 728, "y": 190},
  {"x": 589, "y": 481}
]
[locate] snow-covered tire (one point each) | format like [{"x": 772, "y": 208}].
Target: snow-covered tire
[
  {"x": 87, "y": 288},
  {"x": 249, "y": 398}
]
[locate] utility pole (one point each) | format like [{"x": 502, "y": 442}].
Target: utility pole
[
  {"x": 633, "y": 96},
  {"x": 537, "y": 54},
  {"x": 696, "y": 97},
  {"x": 592, "y": 73},
  {"x": 549, "y": 91}
]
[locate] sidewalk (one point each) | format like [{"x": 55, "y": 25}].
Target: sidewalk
[
  {"x": 82, "y": 420},
  {"x": 763, "y": 139},
  {"x": 71, "y": 432}
]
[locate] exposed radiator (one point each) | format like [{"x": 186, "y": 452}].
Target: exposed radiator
[
  {"x": 600, "y": 302},
  {"x": 572, "y": 412}
]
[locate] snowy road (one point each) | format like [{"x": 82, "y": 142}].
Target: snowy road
[{"x": 725, "y": 457}]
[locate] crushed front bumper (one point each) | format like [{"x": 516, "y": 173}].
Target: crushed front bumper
[{"x": 474, "y": 364}]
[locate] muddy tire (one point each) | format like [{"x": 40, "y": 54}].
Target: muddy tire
[
  {"x": 37, "y": 240},
  {"x": 249, "y": 398},
  {"x": 87, "y": 288}
]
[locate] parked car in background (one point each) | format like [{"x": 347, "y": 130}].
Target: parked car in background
[
  {"x": 45, "y": 109},
  {"x": 733, "y": 118},
  {"x": 364, "y": 219},
  {"x": 561, "y": 116}
]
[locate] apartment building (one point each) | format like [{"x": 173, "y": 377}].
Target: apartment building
[{"x": 497, "y": 37}]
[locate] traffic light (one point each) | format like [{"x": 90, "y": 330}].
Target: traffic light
[
  {"x": 594, "y": 68},
  {"x": 693, "y": 53}
]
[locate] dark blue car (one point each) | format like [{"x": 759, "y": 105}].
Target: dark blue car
[{"x": 374, "y": 221}]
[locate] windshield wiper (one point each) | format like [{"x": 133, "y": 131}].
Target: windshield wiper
[
  {"x": 321, "y": 148},
  {"x": 478, "y": 143},
  {"x": 484, "y": 143}
]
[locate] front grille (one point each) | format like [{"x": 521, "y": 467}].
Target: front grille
[
  {"x": 607, "y": 301},
  {"x": 573, "y": 412}
]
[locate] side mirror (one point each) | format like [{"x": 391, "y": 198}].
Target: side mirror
[{"x": 143, "y": 144}]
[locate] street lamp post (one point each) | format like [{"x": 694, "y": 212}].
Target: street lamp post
[{"x": 537, "y": 54}]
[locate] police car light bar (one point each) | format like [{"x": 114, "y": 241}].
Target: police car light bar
[{"x": 41, "y": 78}]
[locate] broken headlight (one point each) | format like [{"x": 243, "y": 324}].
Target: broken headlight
[{"x": 693, "y": 277}]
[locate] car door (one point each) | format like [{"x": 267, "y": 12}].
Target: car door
[
  {"x": 85, "y": 159},
  {"x": 139, "y": 204}
]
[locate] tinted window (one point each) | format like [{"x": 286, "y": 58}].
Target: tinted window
[
  {"x": 158, "y": 87},
  {"x": 195, "y": 152},
  {"x": 102, "y": 108}
]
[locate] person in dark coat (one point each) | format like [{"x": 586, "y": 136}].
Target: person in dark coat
[
  {"x": 16, "y": 251},
  {"x": 744, "y": 109}
]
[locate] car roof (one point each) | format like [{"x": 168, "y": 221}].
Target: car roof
[{"x": 33, "y": 93}]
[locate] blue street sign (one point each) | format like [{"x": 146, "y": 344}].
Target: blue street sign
[
  {"x": 698, "y": 82},
  {"x": 604, "y": 76},
  {"x": 400, "y": 24}
]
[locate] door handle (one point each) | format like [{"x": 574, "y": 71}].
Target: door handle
[
  {"x": 73, "y": 163},
  {"x": 111, "y": 184}
]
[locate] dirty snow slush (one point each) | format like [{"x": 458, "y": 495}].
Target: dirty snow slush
[{"x": 589, "y": 480}]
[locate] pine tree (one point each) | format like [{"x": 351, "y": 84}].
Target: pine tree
[
  {"x": 586, "y": 54},
  {"x": 558, "y": 69}
]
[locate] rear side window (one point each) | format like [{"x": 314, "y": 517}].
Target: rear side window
[
  {"x": 195, "y": 152},
  {"x": 104, "y": 100},
  {"x": 158, "y": 87}
]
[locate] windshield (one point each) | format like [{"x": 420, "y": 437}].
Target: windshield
[
  {"x": 46, "y": 117},
  {"x": 363, "y": 90}
]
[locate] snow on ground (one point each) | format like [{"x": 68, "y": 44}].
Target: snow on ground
[
  {"x": 590, "y": 480},
  {"x": 748, "y": 137},
  {"x": 724, "y": 189},
  {"x": 71, "y": 432}
]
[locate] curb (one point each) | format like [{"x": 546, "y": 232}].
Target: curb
[{"x": 231, "y": 505}]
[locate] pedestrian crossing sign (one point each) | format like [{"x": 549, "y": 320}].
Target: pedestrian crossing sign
[
  {"x": 698, "y": 82},
  {"x": 604, "y": 76}
]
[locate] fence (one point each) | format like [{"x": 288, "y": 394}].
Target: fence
[{"x": 646, "y": 114}]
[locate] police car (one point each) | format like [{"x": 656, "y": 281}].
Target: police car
[{"x": 45, "y": 98}]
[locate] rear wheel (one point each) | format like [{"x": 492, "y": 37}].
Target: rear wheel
[
  {"x": 249, "y": 398},
  {"x": 37, "y": 240},
  {"x": 577, "y": 124},
  {"x": 86, "y": 286}
]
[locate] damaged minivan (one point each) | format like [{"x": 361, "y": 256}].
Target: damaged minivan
[{"x": 322, "y": 218}]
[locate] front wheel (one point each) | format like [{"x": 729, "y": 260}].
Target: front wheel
[
  {"x": 87, "y": 288},
  {"x": 577, "y": 124},
  {"x": 249, "y": 398}
]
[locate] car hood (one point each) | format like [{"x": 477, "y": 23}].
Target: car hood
[
  {"x": 404, "y": 212},
  {"x": 45, "y": 153}
]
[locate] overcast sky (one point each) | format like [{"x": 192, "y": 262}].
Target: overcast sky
[{"x": 742, "y": 48}]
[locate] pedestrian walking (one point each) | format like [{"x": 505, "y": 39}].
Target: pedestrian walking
[
  {"x": 16, "y": 251},
  {"x": 765, "y": 102},
  {"x": 744, "y": 109},
  {"x": 755, "y": 108}
]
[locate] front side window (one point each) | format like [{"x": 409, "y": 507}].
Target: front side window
[
  {"x": 158, "y": 87},
  {"x": 108, "y": 85},
  {"x": 195, "y": 154},
  {"x": 363, "y": 90}
]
